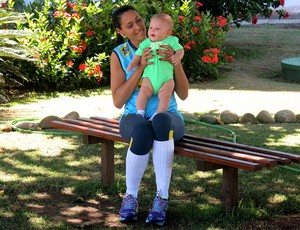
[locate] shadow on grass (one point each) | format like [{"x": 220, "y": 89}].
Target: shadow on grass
[{"x": 64, "y": 191}]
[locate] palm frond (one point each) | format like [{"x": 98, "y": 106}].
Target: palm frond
[{"x": 15, "y": 33}]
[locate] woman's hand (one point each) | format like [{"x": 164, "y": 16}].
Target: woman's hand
[
  {"x": 166, "y": 52},
  {"x": 147, "y": 54}
]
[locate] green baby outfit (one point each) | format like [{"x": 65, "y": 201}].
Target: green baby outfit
[{"x": 160, "y": 71}]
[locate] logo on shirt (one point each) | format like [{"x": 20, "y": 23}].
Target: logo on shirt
[{"x": 125, "y": 50}]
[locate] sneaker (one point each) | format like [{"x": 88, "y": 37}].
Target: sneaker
[
  {"x": 129, "y": 209},
  {"x": 157, "y": 214}
]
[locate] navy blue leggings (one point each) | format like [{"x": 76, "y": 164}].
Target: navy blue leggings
[{"x": 140, "y": 132}]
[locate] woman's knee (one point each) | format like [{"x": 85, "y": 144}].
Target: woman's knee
[
  {"x": 167, "y": 126},
  {"x": 139, "y": 133},
  {"x": 162, "y": 126}
]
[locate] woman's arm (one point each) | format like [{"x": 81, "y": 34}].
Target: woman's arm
[
  {"x": 181, "y": 82},
  {"x": 122, "y": 89}
]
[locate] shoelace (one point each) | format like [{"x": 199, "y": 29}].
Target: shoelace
[
  {"x": 129, "y": 203},
  {"x": 159, "y": 205}
]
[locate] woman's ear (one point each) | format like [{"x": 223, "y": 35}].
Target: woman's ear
[{"x": 119, "y": 31}]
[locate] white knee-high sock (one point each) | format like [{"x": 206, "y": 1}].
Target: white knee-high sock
[
  {"x": 135, "y": 168},
  {"x": 163, "y": 155}
]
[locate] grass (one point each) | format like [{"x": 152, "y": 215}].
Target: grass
[{"x": 52, "y": 182}]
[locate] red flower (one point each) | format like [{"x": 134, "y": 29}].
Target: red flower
[
  {"x": 82, "y": 66},
  {"x": 222, "y": 21},
  {"x": 76, "y": 15},
  {"x": 67, "y": 15},
  {"x": 281, "y": 2},
  {"x": 57, "y": 13},
  {"x": 70, "y": 5},
  {"x": 76, "y": 49},
  {"x": 286, "y": 15},
  {"x": 83, "y": 45},
  {"x": 197, "y": 18},
  {"x": 3, "y": 5},
  {"x": 254, "y": 20},
  {"x": 90, "y": 33},
  {"x": 199, "y": 4},
  {"x": 99, "y": 79},
  {"x": 215, "y": 50},
  {"x": 70, "y": 63},
  {"x": 229, "y": 58},
  {"x": 97, "y": 69},
  {"x": 181, "y": 18},
  {"x": 195, "y": 29},
  {"x": 187, "y": 47},
  {"x": 43, "y": 39},
  {"x": 206, "y": 59},
  {"x": 214, "y": 59}
]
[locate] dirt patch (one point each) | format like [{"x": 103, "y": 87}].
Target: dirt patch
[
  {"x": 280, "y": 223},
  {"x": 102, "y": 213}
]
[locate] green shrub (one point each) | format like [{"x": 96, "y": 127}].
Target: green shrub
[
  {"x": 241, "y": 11},
  {"x": 73, "y": 40},
  {"x": 201, "y": 34}
]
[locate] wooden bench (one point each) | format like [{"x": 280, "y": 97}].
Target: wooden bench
[{"x": 211, "y": 154}]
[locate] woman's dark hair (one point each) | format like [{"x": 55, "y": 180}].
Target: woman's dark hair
[{"x": 116, "y": 19}]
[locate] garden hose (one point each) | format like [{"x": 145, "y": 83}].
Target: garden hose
[
  {"x": 60, "y": 133},
  {"x": 213, "y": 126}
]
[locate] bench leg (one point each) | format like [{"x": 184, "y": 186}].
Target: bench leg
[
  {"x": 107, "y": 163},
  {"x": 230, "y": 188}
]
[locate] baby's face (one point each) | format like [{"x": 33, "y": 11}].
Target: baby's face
[{"x": 158, "y": 30}]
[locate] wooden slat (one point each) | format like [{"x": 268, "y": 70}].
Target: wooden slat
[
  {"x": 93, "y": 125},
  {"x": 217, "y": 159},
  {"x": 105, "y": 119},
  {"x": 234, "y": 155},
  {"x": 88, "y": 131},
  {"x": 280, "y": 160},
  {"x": 293, "y": 157},
  {"x": 99, "y": 122}
]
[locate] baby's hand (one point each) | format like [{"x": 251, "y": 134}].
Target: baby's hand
[
  {"x": 174, "y": 59},
  {"x": 130, "y": 67}
]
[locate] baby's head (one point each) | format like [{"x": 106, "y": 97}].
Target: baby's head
[{"x": 161, "y": 26}]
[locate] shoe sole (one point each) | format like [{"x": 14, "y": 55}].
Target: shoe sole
[
  {"x": 128, "y": 219},
  {"x": 159, "y": 223}
]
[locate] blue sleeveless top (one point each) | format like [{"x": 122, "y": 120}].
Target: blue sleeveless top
[{"x": 125, "y": 53}]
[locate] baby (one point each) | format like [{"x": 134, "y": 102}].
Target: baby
[{"x": 157, "y": 77}]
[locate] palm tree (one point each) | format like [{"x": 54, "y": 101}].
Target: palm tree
[{"x": 11, "y": 49}]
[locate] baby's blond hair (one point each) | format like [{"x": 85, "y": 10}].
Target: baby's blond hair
[{"x": 166, "y": 17}]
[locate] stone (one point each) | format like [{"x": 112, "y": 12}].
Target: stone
[
  {"x": 209, "y": 119},
  {"x": 5, "y": 128},
  {"x": 44, "y": 123},
  {"x": 229, "y": 117},
  {"x": 189, "y": 116},
  {"x": 72, "y": 115},
  {"x": 248, "y": 118},
  {"x": 298, "y": 118},
  {"x": 28, "y": 126},
  {"x": 285, "y": 116},
  {"x": 265, "y": 117}
]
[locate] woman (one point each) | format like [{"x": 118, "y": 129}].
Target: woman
[{"x": 142, "y": 134}]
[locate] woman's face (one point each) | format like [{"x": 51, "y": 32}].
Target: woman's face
[{"x": 133, "y": 27}]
